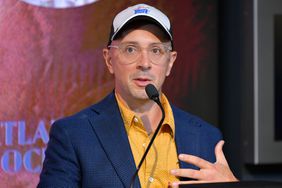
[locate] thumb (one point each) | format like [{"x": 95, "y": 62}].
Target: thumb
[{"x": 220, "y": 158}]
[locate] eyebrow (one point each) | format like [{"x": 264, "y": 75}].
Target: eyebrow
[{"x": 136, "y": 43}]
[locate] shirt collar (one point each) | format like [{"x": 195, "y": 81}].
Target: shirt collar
[{"x": 128, "y": 115}]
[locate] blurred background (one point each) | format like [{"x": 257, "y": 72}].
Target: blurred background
[{"x": 228, "y": 72}]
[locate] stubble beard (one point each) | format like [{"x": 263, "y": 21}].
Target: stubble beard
[{"x": 139, "y": 94}]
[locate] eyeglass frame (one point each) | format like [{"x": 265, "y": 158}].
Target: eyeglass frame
[{"x": 166, "y": 45}]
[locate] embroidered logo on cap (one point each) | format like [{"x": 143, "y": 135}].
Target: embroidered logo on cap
[{"x": 140, "y": 11}]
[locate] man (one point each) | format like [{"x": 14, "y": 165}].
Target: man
[{"x": 102, "y": 145}]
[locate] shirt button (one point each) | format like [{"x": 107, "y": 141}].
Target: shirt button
[
  {"x": 135, "y": 119},
  {"x": 144, "y": 145},
  {"x": 151, "y": 179}
]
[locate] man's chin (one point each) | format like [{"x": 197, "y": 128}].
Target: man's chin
[{"x": 141, "y": 95}]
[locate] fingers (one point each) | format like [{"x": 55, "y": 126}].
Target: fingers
[
  {"x": 189, "y": 173},
  {"x": 177, "y": 183},
  {"x": 220, "y": 158},
  {"x": 209, "y": 172},
  {"x": 197, "y": 161}
]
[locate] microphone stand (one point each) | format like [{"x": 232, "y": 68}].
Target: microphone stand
[{"x": 157, "y": 100}]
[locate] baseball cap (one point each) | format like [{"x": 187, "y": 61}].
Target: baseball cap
[{"x": 143, "y": 11}]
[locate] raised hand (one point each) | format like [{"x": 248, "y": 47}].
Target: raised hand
[{"x": 208, "y": 172}]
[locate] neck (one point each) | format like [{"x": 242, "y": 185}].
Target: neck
[{"x": 146, "y": 109}]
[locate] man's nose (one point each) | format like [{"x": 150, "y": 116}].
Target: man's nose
[{"x": 144, "y": 61}]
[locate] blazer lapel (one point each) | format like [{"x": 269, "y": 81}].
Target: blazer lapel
[
  {"x": 186, "y": 136},
  {"x": 109, "y": 128}
]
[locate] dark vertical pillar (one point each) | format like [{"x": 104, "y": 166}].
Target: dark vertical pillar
[{"x": 230, "y": 63}]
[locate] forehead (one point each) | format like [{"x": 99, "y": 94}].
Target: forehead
[{"x": 145, "y": 32}]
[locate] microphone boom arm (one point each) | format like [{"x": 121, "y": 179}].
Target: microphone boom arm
[{"x": 157, "y": 100}]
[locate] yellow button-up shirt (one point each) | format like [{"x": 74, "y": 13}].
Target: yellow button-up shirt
[{"x": 162, "y": 156}]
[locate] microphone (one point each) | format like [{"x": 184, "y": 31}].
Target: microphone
[{"x": 153, "y": 94}]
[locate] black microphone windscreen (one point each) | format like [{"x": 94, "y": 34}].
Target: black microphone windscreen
[{"x": 151, "y": 91}]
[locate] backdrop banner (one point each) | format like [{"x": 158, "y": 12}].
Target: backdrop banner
[{"x": 51, "y": 66}]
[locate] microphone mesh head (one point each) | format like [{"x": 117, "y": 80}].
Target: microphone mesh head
[{"x": 151, "y": 91}]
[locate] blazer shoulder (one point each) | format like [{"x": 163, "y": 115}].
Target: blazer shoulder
[
  {"x": 89, "y": 112},
  {"x": 193, "y": 121},
  {"x": 78, "y": 116}
]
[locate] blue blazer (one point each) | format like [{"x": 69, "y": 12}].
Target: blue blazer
[{"x": 91, "y": 148}]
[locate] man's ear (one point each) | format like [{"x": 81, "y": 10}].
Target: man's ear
[
  {"x": 108, "y": 60},
  {"x": 172, "y": 59}
]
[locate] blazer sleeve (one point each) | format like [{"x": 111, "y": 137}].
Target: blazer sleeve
[{"x": 60, "y": 167}]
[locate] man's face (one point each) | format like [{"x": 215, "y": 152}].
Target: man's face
[{"x": 131, "y": 77}]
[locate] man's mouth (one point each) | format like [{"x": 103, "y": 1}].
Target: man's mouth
[{"x": 142, "y": 82}]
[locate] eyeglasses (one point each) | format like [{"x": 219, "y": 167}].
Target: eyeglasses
[{"x": 131, "y": 52}]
